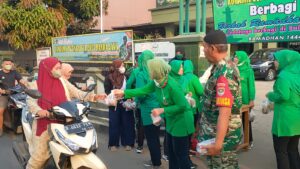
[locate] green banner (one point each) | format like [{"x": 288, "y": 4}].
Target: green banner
[{"x": 246, "y": 21}]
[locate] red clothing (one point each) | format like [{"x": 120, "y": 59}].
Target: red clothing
[{"x": 52, "y": 90}]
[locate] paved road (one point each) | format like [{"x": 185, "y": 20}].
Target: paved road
[{"x": 261, "y": 156}]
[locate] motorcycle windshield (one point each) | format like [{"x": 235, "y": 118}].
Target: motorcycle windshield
[{"x": 71, "y": 107}]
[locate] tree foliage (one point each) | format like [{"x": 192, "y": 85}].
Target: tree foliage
[{"x": 28, "y": 24}]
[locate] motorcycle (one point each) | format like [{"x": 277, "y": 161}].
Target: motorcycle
[
  {"x": 16, "y": 102},
  {"x": 73, "y": 141}
]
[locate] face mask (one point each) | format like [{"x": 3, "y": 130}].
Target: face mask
[
  {"x": 122, "y": 70},
  {"x": 7, "y": 67},
  {"x": 56, "y": 74},
  {"x": 156, "y": 83}
]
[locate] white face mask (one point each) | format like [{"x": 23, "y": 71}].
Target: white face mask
[
  {"x": 8, "y": 67},
  {"x": 56, "y": 74},
  {"x": 122, "y": 70},
  {"x": 156, "y": 83}
]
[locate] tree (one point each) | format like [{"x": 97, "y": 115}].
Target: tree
[{"x": 28, "y": 24}]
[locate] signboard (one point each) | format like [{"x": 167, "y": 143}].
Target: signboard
[
  {"x": 94, "y": 47},
  {"x": 42, "y": 53},
  {"x": 164, "y": 50},
  {"x": 258, "y": 20}
]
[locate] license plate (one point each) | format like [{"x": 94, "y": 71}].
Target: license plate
[{"x": 79, "y": 127}]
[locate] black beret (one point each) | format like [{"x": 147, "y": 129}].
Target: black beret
[{"x": 215, "y": 37}]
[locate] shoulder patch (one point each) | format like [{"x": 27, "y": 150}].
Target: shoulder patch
[{"x": 224, "y": 97}]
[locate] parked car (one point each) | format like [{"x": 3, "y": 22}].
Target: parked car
[{"x": 262, "y": 62}]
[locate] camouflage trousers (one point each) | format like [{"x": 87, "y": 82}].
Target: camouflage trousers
[{"x": 227, "y": 160}]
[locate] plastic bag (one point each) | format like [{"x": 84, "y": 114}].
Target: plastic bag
[
  {"x": 267, "y": 106},
  {"x": 129, "y": 105},
  {"x": 252, "y": 116},
  {"x": 190, "y": 100},
  {"x": 156, "y": 120},
  {"x": 111, "y": 100},
  {"x": 204, "y": 143}
]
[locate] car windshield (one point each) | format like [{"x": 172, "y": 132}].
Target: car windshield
[{"x": 262, "y": 56}]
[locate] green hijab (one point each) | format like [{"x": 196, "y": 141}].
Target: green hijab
[
  {"x": 188, "y": 66},
  {"x": 175, "y": 66},
  {"x": 286, "y": 58},
  {"x": 244, "y": 61},
  {"x": 143, "y": 59},
  {"x": 158, "y": 70}
]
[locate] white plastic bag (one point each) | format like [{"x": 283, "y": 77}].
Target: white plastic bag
[
  {"x": 267, "y": 106},
  {"x": 111, "y": 100},
  {"x": 190, "y": 100},
  {"x": 156, "y": 120},
  {"x": 129, "y": 105},
  {"x": 252, "y": 116},
  {"x": 204, "y": 143}
]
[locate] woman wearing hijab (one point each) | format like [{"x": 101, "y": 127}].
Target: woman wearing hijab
[
  {"x": 147, "y": 103},
  {"x": 242, "y": 61},
  {"x": 194, "y": 87},
  {"x": 286, "y": 98},
  {"x": 121, "y": 121},
  {"x": 54, "y": 92},
  {"x": 174, "y": 106},
  {"x": 66, "y": 72}
]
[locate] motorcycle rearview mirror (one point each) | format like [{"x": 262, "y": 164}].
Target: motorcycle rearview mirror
[
  {"x": 91, "y": 87},
  {"x": 33, "y": 93},
  {"x": 85, "y": 77}
]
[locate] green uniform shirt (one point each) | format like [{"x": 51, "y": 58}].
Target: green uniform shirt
[
  {"x": 178, "y": 114},
  {"x": 286, "y": 95},
  {"x": 210, "y": 110}
]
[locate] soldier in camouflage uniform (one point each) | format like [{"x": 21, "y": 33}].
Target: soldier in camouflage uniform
[{"x": 221, "y": 105}]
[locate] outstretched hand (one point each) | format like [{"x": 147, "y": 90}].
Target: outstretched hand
[
  {"x": 119, "y": 94},
  {"x": 100, "y": 96}
]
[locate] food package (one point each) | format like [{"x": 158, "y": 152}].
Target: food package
[{"x": 204, "y": 143}]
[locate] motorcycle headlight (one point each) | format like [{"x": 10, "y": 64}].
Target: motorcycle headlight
[{"x": 70, "y": 144}]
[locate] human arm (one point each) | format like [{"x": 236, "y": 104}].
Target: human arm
[
  {"x": 197, "y": 87},
  {"x": 281, "y": 91},
  {"x": 79, "y": 94},
  {"x": 149, "y": 88},
  {"x": 32, "y": 103}
]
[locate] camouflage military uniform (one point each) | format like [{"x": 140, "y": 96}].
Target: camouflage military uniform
[{"x": 228, "y": 158}]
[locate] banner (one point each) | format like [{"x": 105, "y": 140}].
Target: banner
[
  {"x": 164, "y": 50},
  {"x": 258, "y": 20},
  {"x": 42, "y": 53},
  {"x": 94, "y": 47}
]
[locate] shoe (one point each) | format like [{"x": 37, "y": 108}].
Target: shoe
[
  {"x": 128, "y": 148},
  {"x": 113, "y": 148},
  {"x": 250, "y": 146},
  {"x": 165, "y": 157},
  {"x": 139, "y": 150},
  {"x": 148, "y": 164},
  {"x": 193, "y": 166}
]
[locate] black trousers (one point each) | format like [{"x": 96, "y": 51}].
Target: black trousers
[
  {"x": 250, "y": 129},
  {"x": 139, "y": 128},
  {"x": 286, "y": 150},
  {"x": 152, "y": 137},
  {"x": 178, "y": 152}
]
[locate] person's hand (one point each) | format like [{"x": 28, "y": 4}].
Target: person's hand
[
  {"x": 119, "y": 94},
  {"x": 2, "y": 91},
  {"x": 212, "y": 149},
  {"x": 43, "y": 113},
  {"x": 100, "y": 96},
  {"x": 251, "y": 104},
  {"x": 84, "y": 88},
  {"x": 156, "y": 112}
]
